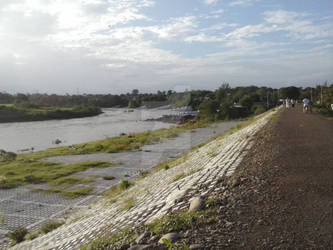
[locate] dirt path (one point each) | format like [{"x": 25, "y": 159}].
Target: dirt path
[
  {"x": 298, "y": 200},
  {"x": 281, "y": 197}
]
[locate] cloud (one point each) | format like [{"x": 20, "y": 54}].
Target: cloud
[
  {"x": 242, "y": 3},
  {"x": 113, "y": 45},
  {"x": 298, "y": 26},
  {"x": 281, "y": 16},
  {"x": 175, "y": 27},
  {"x": 211, "y": 2}
]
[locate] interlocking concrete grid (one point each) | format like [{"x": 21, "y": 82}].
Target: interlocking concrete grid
[
  {"x": 153, "y": 196},
  {"x": 22, "y": 207}
]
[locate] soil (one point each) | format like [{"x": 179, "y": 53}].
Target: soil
[{"x": 281, "y": 196}]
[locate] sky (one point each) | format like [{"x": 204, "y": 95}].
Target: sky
[{"x": 114, "y": 46}]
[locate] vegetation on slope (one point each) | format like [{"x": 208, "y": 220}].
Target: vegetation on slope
[{"x": 22, "y": 171}]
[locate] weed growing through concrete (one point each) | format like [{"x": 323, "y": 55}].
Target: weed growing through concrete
[
  {"x": 23, "y": 171},
  {"x": 17, "y": 235}
]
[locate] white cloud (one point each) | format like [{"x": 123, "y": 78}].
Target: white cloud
[
  {"x": 64, "y": 44},
  {"x": 281, "y": 16},
  {"x": 298, "y": 26},
  {"x": 242, "y": 3},
  {"x": 175, "y": 27},
  {"x": 210, "y": 2}
]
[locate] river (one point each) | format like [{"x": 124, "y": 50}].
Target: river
[{"x": 41, "y": 135}]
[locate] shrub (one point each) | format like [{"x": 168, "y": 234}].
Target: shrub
[
  {"x": 7, "y": 156},
  {"x": 124, "y": 185},
  {"x": 176, "y": 222},
  {"x": 258, "y": 109},
  {"x": 18, "y": 234},
  {"x": 50, "y": 226}
]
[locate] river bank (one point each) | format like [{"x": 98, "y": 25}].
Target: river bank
[
  {"x": 13, "y": 113},
  {"x": 35, "y": 208},
  {"x": 154, "y": 195}
]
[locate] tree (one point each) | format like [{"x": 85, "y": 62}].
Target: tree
[
  {"x": 135, "y": 92},
  {"x": 222, "y": 91},
  {"x": 246, "y": 102},
  {"x": 208, "y": 109},
  {"x": 291, "y": 92}
]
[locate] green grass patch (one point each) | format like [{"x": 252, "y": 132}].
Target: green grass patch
[
  {"x": 176, "y": 222},
  {"x": 23, "y": 171},
  {"x": 115, "y": 241},
  {"x": 69, "y": 194},
  {"x": 17, "y": 235},
  {"x": 116, "y": 190},
  {"x": 70, "y": 181},
  {"x": 50, "y": 226}
]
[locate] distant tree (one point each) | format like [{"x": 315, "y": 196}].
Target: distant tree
[
  {"x": 21, "y": 98},
  {"x": 208, "y": 109},
  {"x": 246, "y": 101},
  {"x": 291, "y": 92},
  {"x": 225, "y": 109}
]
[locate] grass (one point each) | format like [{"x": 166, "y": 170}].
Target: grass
[
  {"x": 21, "y": 172},
  {"x": 17, "y": 235},
  {"x": 116, "y": 190},
  {"x": 46, "y": 228},
  {"x": 69, "y": 194},
  {"x": 116, "y": 241},
  {"x": 128, "y": 204},
  {"x": 50, "y": 226},
  {"x": 70, "y": 181},
  {"x": 176, "y": 222}
]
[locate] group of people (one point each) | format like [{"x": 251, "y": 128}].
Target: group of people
[{"x": 292, "y": 103}]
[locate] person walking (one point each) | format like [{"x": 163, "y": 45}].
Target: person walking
[
  {"x": 287, "y": 103},
  {"x": 306, "y": 105}
]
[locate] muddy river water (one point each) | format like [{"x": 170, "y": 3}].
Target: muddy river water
[{"x": 41, "y": 135}]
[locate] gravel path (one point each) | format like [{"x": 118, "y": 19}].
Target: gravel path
[
  {"x": 157, "y": 194},
  {"x": 281, "y": 196}
]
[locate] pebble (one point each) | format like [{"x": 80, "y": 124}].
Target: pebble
[
  {"x": 139, "y": 247},
  {"x": 196, "y": 246},
  {"x": 142, "y": 238},
  {"x": 197, "y": 203},
  {"x": 172, "y": 237}
]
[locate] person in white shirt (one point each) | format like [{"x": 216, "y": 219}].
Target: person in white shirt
[{"x": 306, "y": 106}]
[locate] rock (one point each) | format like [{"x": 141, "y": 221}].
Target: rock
[
  {"x": 234, "y": 182},
  {"x": 196, "y": 246},
  {"x": 198, "y": 203},
  {"x": 154, "y": 238},
  {"x": 172, "y": 237},
  {"x": 139, "y": 247},
  {"x": 142, "y": 238}
]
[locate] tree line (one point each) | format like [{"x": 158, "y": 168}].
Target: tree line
[{"x": 223, "y": 103}]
